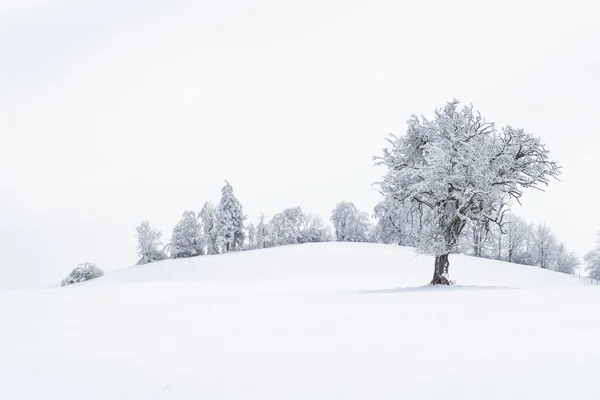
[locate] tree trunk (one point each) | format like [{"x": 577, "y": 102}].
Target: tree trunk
[
  {"x": 476, "y": 243},
  {"x": 500, "y": 246},
  {"x": 440, "y": 270}
]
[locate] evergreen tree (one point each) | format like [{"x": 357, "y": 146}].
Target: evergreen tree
[{"x": 229, "y": 221}]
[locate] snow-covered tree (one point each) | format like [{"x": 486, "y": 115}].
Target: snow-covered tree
[
  {"x": 83, "y": 272},
  {"x": 149, "y": 244},
  {"x": 517, "y": 231},
  {"x": 545, "y": 246},
  {"x": 565, "y": 261},
  {"x": 393, "y": 223},
  {"x": 457, "y": 169},
  {"x": 262, "y": 236},
  {"x": 496, "y": 248},
  {"x": 350, "y": 224},
  {"x": 207, "y": 215},
  {"x": 480, "y": 233},
  {"x": 286, "y": 227},
  {"x": 229, "y": 221},
  {"x": 527, "y": 254},
  {"x": 477, "y": 238},
  {"x": 592, "y": 261},
  {"x": 251, "y": 235},
  {"x": 483, "y": 241},
  {"x": 314, "y": 230},
  {"x": 186, "y": 240}
]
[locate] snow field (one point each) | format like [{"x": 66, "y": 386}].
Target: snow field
[{"x": 322, "y": 321}]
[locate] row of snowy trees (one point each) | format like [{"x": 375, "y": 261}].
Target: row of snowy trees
[
  {"x": 291, "y": 226},
  {"x": 514, "y": 240},
  {"x": 520, "y": 242},
  {"x": 449, "y": 186},
  {"x": 222, "y": 229},
  {"x": 215, "y": 230}
]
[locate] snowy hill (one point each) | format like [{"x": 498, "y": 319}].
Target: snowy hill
[
  {"x": 318, "y": 321},
  {"x": 333, "y": 266}
]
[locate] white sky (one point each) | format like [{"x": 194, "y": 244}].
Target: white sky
[{"x": 112, "y": 112}]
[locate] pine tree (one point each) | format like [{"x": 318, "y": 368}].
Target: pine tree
[
  {"x": 187, "y": 237},
  {"x": 229, "y": 221}
]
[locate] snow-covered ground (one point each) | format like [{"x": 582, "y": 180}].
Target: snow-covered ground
[{"x": 319, "y": 321}]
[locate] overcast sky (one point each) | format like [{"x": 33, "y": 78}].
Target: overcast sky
[{"x": 113, "y": 112}]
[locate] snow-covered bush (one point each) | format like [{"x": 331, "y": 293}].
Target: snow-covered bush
[{"x": 83, "y": 272}]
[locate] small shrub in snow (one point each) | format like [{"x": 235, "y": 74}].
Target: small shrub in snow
[{"x": 83, "y": 272}]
